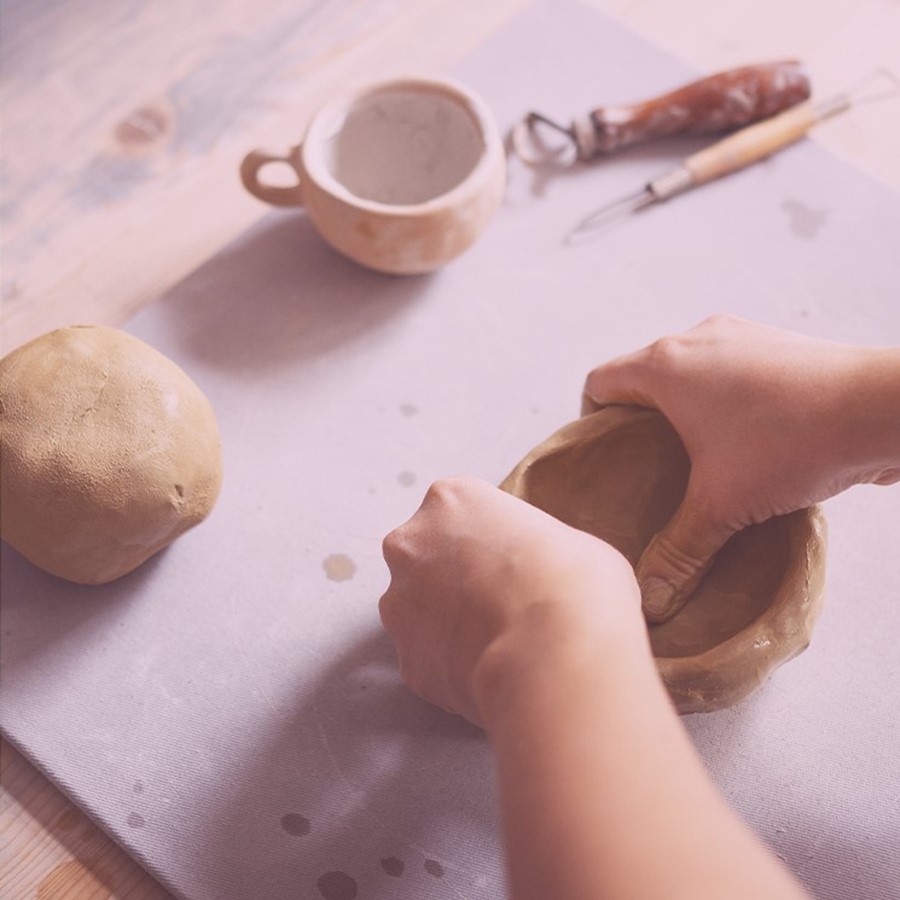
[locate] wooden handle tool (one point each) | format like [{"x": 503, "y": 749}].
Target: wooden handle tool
[{"x": 717, "y": 103}]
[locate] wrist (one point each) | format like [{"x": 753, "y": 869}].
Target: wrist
[
  {"x": 553, "y": 651},
  {"x": 869, "y": 411}
]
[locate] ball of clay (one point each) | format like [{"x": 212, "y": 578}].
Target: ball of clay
[
  {"x": 110, "y": 452},
  {"x": 620, "y": 474}
]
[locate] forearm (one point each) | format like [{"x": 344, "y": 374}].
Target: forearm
[
  {"x": 870, "y": 409},
  {"x": 603, "y": 795}
]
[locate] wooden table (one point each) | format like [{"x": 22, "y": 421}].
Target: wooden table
[{"x": 124, "y": 124}]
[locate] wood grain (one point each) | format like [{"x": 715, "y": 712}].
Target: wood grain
[
  {"x": 123, "y": 127},
  {"x": 126, "y": 124},
  {"x": 51, "y": 851}
]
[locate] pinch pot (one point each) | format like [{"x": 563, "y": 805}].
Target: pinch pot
[{"x": 619, "y": 474}]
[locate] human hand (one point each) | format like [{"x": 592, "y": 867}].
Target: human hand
[
  {"x": 772, "y": 422},
  {"x": 486, "y": 588}
]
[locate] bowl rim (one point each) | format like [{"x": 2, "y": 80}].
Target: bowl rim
[{"x": 733, "y": 668}]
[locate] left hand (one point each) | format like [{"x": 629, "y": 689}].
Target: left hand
[{"x": 485, "y": 587}]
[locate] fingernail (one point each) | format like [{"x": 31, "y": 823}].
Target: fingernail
[{"x": 657, "y": 595}]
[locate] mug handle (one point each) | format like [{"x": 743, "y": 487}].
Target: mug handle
[{"x": 270, "y": 193}]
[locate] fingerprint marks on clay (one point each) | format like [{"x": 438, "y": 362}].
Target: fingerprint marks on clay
[
  {"x": 339, "y": 567},
  {"x": 803, "y": 220}
]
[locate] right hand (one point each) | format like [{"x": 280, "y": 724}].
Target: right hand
[{"x": 772, "y": 422}]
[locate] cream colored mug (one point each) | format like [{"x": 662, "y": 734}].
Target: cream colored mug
[{"x": 401, "y": 176}]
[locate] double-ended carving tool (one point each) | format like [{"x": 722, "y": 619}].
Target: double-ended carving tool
[
  {"x": 737, "y": 151},
  {"x": 717, "y": 103}
]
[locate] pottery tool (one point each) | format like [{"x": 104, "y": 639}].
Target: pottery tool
[
  {"x": 737, "y": 151},
  {"x": 720, "y": 102}
]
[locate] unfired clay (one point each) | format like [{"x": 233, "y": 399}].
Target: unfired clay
[
  {"x": 110, "y": 452},
  {"x": 619, "y": 474},
  {"x": 401, "y": 176}
]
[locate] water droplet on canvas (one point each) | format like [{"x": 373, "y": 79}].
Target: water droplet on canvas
[
  {"x": 294, "y": 823},
  {"x": 803, "y": 220},
  {"x": 433, "y": 867},
  {"x": 393, "y": 866},
  {"x": 339, "y": 567},
  {"x": 337, "y": 886}
]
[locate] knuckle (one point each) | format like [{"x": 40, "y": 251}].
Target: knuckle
[
  {"x": 679, "y": 561},
  {"x": 665, "y": 352},
  {"x": 717, "y": 320},
  {"x": 450, "y": 489},
  {"x": 389, "y": 544},
  {"x": 386, "y": 607},
  {"x": 396, "y": 546},
  {"x": 394, "y": 614},
  {"x": 439, "y": 491},
  {"x": 720, "y": 322}
]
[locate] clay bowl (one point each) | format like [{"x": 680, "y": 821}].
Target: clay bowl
[{"x": 620, "y": 474}]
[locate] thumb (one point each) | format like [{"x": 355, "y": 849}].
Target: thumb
[{"x": 676, "y": 560}]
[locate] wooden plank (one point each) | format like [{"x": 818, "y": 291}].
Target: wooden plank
[
  {"x": 52, "y": 851},
  {"x": 125, "y": 130}
]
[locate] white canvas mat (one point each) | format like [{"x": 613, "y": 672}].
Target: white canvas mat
[{"x": 231, "y": 712}]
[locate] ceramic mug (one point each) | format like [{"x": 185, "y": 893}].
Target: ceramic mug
[{"x": 401, "y": 176}]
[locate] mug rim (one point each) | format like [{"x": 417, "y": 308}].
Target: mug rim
[{"x": 317, "y": 170}]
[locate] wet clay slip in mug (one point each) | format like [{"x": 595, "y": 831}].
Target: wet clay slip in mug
[{"x": 401, "y": 176}]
